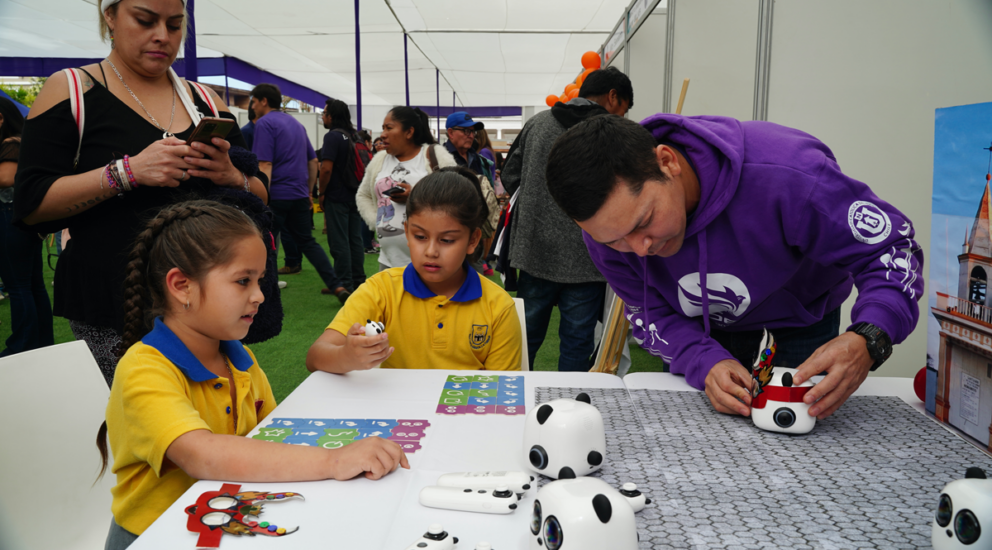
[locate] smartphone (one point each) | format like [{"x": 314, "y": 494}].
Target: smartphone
[
  {"x": 393, "y": 190},
  {"x": 209, "y": 128}
]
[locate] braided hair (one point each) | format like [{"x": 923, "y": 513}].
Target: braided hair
[{"x": 195, "y": 236}]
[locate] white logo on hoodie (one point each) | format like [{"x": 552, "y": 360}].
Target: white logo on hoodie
[
  {"x": 869, "y": 223},
  {"x": 727, "y": 295}
]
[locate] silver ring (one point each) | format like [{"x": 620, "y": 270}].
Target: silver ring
[{"x": 185, "y": 175}]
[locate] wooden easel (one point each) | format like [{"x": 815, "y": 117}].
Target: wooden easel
[{"x": 615, "y": 329}]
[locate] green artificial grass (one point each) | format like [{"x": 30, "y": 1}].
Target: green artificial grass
[{"x": 308, "y": 312}]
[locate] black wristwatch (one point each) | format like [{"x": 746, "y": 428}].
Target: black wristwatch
[{"x": 878, "y": 342}]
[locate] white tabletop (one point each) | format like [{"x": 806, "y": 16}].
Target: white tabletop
[{"x": 385, "y": 514}]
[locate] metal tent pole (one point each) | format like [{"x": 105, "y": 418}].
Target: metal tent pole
[
  {"x": 763, "y": 60},
  {"x": 358, "y": 67},
  {"x": 190, "y": 46},
  {"x": 406, "y": 69},
  {"x": 227, "y": 85},
  {"x": 437, "y": 85}
]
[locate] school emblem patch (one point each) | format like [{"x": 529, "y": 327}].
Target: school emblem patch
[{"x": 479, "y": 336}]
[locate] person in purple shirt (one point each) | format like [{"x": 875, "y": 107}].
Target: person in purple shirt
[
  {"x": 753, "y": 223},
  {"x": 287, "y": 158}
]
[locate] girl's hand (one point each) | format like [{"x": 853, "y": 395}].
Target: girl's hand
[
  {"x": 366, "y": 352},
  {"x": 372, "y": 456},
  {"x": 400, "y": 198},
  {"x": 162, "y": 164},
  {"x": 214, "y": 164}
]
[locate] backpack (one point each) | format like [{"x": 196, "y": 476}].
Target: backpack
[{"x": 360, "y": 158}]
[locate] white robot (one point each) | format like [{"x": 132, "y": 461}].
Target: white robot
[
  {"x": 965, "y": 506},
  {"x": 776, "y": 403},
  {"x": 565, "y": 438},
  {"x": 436, "y": 538},
  {"x": 582, "y": 514}
]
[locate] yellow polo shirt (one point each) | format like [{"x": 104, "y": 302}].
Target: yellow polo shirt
[
  {"x": 160, "y": 392},
  {"x": 477, "y": 329}
]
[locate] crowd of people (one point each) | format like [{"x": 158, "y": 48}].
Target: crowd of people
[{"x": 172, "y": 264}]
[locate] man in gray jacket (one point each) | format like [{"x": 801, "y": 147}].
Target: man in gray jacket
[{"x": 545, "y": 244}]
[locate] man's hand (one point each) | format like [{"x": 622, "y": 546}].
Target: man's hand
[
  {"x": 728, "y": 385},
  {"x": 846, "y": 361}
]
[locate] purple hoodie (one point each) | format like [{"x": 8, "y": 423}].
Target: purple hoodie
[{"x": 778, "y": 239}]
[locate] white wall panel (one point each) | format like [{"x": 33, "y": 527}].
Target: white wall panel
[
  {"x": 865, "y": 77},
  {"x": 715, "y": 43},
  {"x": 647, "y": 66}
]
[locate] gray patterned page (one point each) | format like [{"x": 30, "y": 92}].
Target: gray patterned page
[
  {"x": 628, "y": 458},
  {"x": 867, "y": 477}
]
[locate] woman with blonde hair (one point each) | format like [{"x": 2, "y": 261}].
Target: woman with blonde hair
[{"x": 103, "y": 174}]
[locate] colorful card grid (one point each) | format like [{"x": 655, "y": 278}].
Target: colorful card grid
[
  {"x": 482, "y": 394},
  {"x": 335, "y": 433}
]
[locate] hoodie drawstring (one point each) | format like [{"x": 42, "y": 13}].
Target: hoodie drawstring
[{"x": 701, "y": 239}]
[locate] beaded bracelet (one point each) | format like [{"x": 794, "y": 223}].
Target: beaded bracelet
[
  {"x": 111, "y": 182},
  {"x": 130, "y": 175},
  {"x": 115, "y": 180}
]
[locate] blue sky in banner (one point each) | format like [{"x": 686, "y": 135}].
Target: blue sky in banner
[{"x": 959, "y": 161}]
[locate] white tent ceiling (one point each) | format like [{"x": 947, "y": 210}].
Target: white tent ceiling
[{"x": 490, "y": 52}]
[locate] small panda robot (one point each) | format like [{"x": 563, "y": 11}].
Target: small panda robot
[
  {"x": 580, "y": 514},
  {"x": 780, "y": 408},
  {"x": 373, "y": 327},
  {"x": 776, "y": 403},
  {"x": 965, "y": 506},
  {"x": 565, "y": 438}
]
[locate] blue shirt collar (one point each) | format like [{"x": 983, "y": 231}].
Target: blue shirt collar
[
  {"x": 471, "y": 289},
  {"x": 168, "y": 344}
]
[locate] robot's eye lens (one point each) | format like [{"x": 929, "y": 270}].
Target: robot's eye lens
[
  {"x": 945, "y": 510},
  {"x": 966, "y": 527},
  {"x": 535, "y": 519},
  {"x": 784, "y": 417},
  {"x": 552, "y": 533}
]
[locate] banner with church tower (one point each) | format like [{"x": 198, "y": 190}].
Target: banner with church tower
[{"x": 959, "y": 330}]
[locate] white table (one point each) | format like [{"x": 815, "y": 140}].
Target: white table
[{"x": 360, "y": 514}]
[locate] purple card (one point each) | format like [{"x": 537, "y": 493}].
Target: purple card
[
  {"x": 415, "y": 423},
  {"x": 480, "y": 409},
  {"x": 408, "y": 446},
  {"x": 407, "y": 434},
  {"x": 509, "y": 411},
  {"x": 451, "y": 409}
]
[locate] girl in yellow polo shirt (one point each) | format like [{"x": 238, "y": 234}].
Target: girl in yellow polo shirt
[
  {"x": 187, "y": 393},
  {"x": 437, "y": 311}
]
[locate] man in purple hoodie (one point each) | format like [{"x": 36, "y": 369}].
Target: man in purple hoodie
[{"x": 754, "y": 223}]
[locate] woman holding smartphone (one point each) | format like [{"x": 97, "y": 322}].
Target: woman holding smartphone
[
  {"x": 392, "y": 173},
  {"x": 133, "y": 111}
]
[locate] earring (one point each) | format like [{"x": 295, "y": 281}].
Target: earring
[
  {"x": 187, "y": 305},
  {"x": 112, "y": 43}
]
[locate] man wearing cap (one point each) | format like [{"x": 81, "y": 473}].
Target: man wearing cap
[{"x": 461, "y": 131}]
